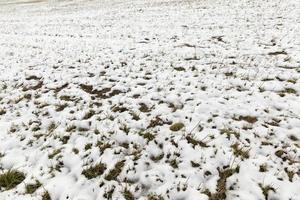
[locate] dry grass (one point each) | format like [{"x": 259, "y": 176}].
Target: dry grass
[
  {"x": 94, "y": 171},
  {"x": 11, "y": 179}
]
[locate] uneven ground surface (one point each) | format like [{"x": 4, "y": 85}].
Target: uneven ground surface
[{"x": 180, "y": 100}]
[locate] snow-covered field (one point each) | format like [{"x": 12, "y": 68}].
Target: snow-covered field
[{"x": 150, "y": 99}]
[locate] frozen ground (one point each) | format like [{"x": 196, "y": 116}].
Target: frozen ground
[{"x": 151, "y": 99}]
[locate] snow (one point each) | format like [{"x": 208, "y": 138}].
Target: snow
[{"x": 88, "y": 82}]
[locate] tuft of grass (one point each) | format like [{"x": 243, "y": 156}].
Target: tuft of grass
[
  {"x": 263, "y": 168},
  {"x": 94, "y": 171},
  {"x": 267, "y": 79},
  {"x": 194, "y": 142},
  {"x": 58, "y": 89},
  {"x": 228, "y": 74},
  {"x": 34, "y": 129},
  {"x": 277, "y": 53},
  {"x": 114, "y": 92},
  {"x": 179, "y": 68},
  {"x": 103, "y": 93},
  {"x": 173, "y": 163},
  {"x": 88, "y": 146},
  {"x": 35, "y": 87},
  {"x": 32, "y": 77},
  {"x": 157, "y": 121},
  {"x": 31, "y": 188},
  {"x": 11, "y": 179},
  {"x": 87, "y": 88},
  {"x": 61, "y": 107},
  {"x": 293, "y": 138},
  {"x": 176, "y": 126},
  {"x": 228, "y": 132},
  {"x": 89, "y": 114},
  {"x": 125, "y": 128},
  {"x": 52, "y": 127},
  {"x": 75, "y": 150},
  {"x": 97, "y": 132},
  {"x": 266, "y": 189},
  {"x": 261, "y": 89},
  {"x": 136, "y": 155},
  {"x": 54, "y": 153},
  {"x": 287, "y": 91},
  {"x": 46, "y": 196},
  {"x": 195, "y": 164},
  {"x": 108, "y": 194},
  {"x": 220, "y": 194},
  {"x": 280, "y": 153},
  {"x": 58, "y": 166},
  {"x": 2, "y": 111},
  {"x": 103, "y": 145},
  {"x": 115, "y": 172},
  {"x": 266, "y": 143},
  {"x": 65, "y": 139},
  {"x": 290, "y": 91},
  {"x": 127, "y": 194},
  {"x": 83, "y": 129},
  {"x": 148, "y": 136},
  {"x": 154, "y": 197},
  {"x": 157, "y": 158},
  {"x": 124, "y": 145},
  {"x": 119, "y": 109},
  {"x": 294, "y": 81},
  {"x": 273, "y": 122},
  {"x": 207, "y": 173},
  {"x": 144, "y": 108},
  {"x": 67, "y": 98},
  {"x": 248, "y": 118},
  {"x": 238, "y": 151},
  {"x": 135, "y": 116},
  {"x": 289, "y": 173},
  {"x": 71, "y": 128}
]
